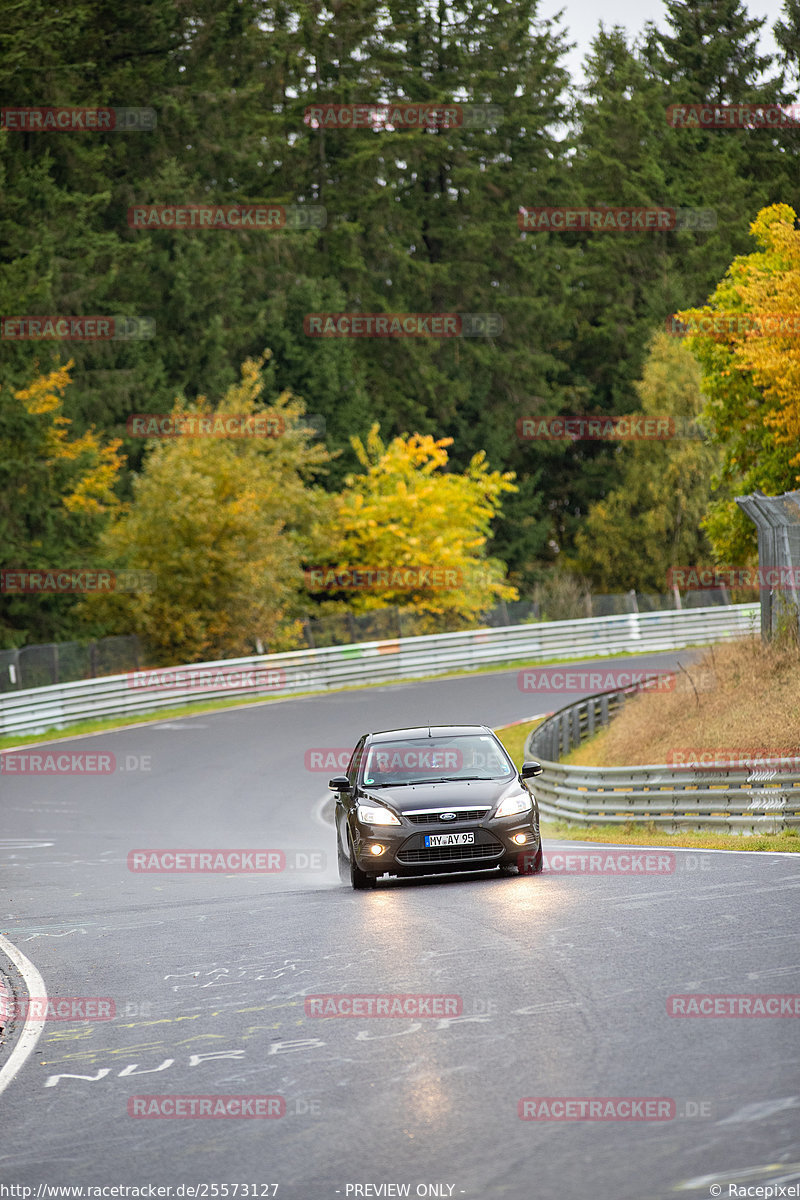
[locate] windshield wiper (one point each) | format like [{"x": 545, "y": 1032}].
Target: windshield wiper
[
  {"x": 395, "y": 783},
  {"x": 407, "y": 782},
  {"x": 438, "y": 779},
  {"x": 461, "y": 778}
]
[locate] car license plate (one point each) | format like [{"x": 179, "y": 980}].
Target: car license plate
[{"x": 449, "y": 839}]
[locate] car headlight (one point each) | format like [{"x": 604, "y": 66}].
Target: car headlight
[
  {"x": 375, "y": 816},
  {"x": 513, "y": 805}
]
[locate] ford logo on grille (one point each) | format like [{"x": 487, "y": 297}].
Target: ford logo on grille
[{"x": 447, "y": 817}]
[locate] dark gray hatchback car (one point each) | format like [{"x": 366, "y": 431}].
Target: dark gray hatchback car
[{"x": 423, "y": 801}]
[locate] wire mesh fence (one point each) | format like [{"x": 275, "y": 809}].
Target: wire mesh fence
[
  {"x": 777, "y": 519},
  {"x": 63, "y": 662},
  {"x": 383, "y": 624}
]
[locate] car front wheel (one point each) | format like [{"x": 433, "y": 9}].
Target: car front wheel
[
  {"x": 538, "y": 861},
  {"x": 344, "y": 865},
  {"x": 358, "y": 878},
  {"x": 528, "y": 864}
]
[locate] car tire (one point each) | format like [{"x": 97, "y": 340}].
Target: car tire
[
  {"x": 535, "y": 867},
  {"x": 538, "y": 860},
  {"x": 344, "y": 865},
  {"x": 359, "y": 879}
]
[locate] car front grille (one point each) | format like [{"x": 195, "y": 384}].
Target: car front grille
[
  {"x": 423, "y": 854},
  {"x": 435, "y": 818}
]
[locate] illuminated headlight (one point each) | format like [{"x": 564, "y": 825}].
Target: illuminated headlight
[
  {"x": 513, "y": 805},
  {"x": 375, "y": 816}
]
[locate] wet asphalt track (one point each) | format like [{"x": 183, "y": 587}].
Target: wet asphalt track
[{"x": 563, "y": 979}]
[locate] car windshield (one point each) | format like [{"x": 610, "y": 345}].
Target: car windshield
[{"x": 426, "y": 760}]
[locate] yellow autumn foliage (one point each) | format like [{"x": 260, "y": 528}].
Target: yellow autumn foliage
[{"x": 406, "y": 510}]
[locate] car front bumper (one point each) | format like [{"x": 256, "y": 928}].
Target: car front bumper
[{"x": 405, "y": 852}]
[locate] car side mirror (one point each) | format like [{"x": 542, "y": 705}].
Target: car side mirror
[
  {"x": 339, "y": 783},
  {"x": 529, "y": 769}
]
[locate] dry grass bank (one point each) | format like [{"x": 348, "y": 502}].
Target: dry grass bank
[{"x": 741, "y": 696}]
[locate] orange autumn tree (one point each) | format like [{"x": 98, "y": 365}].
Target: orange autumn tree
[{"x": 751, "y": 375}]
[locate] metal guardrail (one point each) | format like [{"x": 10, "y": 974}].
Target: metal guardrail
[
  {"x": 754, "y": 798},
  {"x": 40, "y": 709},
  {"x": 42, "y": 664}
]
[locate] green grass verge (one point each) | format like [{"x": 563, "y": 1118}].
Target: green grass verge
[
  {"x": 651, "y": 835},
  {"x": 513, "y": 738},
  {"x": 106, "y": 724}
]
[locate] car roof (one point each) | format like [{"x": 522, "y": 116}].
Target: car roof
[{"x": 427, "y": 731}]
